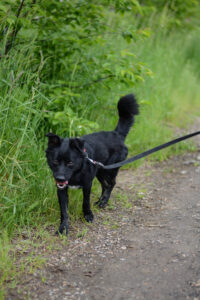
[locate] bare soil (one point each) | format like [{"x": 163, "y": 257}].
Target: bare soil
[{"x": 145, "y": 245}]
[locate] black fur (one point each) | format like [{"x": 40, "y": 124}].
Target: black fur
[{"x": 67, "y": 160}]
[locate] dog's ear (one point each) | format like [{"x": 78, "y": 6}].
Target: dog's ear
[
  {"x": 54, "y": 140},
  {"x": 77, "y": 143}
]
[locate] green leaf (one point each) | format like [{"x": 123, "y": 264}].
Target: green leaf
[{"x": 3, "y": 8}]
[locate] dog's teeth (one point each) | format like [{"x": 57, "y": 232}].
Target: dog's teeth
[{"x": 61, "y": 186}]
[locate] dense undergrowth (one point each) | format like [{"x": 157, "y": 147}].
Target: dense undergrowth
[{"x": 48, "y": 86}]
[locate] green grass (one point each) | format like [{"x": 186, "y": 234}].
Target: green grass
[
  {"x": 169, "y": 99},
  {"x": 7, "y": 267}
]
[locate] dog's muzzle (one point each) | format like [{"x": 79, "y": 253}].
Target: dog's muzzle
[{"x": 61, "y": 185}]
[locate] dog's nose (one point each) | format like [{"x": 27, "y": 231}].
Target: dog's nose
[{"x": 60, "y": 178}]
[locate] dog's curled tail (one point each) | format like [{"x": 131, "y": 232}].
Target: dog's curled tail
[{"x": 127, "y": 109}]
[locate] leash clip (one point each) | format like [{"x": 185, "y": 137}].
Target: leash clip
[{"x": 94, "y": 162}]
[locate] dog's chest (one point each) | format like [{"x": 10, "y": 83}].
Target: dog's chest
[{"x": 75, "y": 186}]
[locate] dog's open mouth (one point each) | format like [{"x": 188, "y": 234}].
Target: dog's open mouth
[{"x": 61, "y": 185}]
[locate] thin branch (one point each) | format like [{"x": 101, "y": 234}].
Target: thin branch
[
  {"x": 20, "y": 8},
  {"x": 97, "y": 80},
  {"x": 14, "y": 31},
  {"x": 85, "y": 84}
]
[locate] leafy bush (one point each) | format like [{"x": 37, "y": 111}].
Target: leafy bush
[{"x": 68, "y": 56}]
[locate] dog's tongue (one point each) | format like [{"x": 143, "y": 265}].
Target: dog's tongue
[{"x": 62, "y": 183}]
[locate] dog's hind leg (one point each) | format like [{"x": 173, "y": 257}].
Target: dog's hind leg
[{"x": 107, "y": 180}]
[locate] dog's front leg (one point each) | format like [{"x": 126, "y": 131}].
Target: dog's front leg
[
  {"x": 63, "y": 201},
  {"x": 86, "y": 203}
]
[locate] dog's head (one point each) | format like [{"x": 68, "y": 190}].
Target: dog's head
[{"x": 64, "y": 157}]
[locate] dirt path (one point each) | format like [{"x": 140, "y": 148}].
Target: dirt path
[{"x": 144, "y": 246}]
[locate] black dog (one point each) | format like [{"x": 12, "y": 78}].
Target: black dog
[{"x": 68, "y": 159}]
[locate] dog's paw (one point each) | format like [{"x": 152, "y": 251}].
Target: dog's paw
[
  {"x": 101, "y": 203},
  {"x": 89, "y": 217},
  {"x": 63, "y": 227}
]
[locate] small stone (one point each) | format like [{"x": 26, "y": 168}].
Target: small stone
[
  {"x": 188, "y": 162},
  {"x": 123, "y": 247},
  {"x": 125, "y": 219},
  {"x": 197, "y": 170},
  {"x": 183, "y": 172},
  {"x": 197, "y": 284}
]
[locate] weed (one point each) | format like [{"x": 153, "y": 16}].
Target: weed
[
  {"x": 82, "y": 233},
  {"x": 115, "y": 226},
  {"x": 123, "y": 200},
  {"x": 140, "y": 195},
  {"x": 106, "y": 220},
  {"x": 7, "y": 264}
]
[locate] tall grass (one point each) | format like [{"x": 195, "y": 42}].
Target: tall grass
[
  {"x": 7, "y": 268},
  {"x": 171, "y": 98}
]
